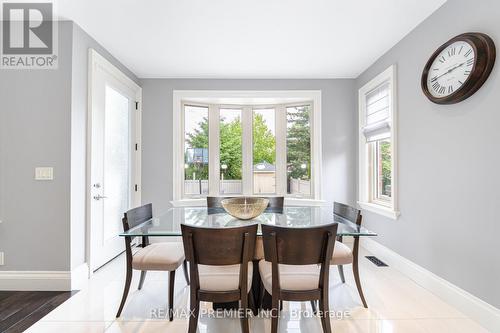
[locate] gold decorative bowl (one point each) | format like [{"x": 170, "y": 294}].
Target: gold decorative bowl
[{"x": 245, "y": 208}]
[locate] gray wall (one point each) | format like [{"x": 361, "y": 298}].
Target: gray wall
[
  {"x": 43, "y": 119},
  {"x": 338, "y": 121},
  {"x": 35, "y": 131},
  {"x": 448, "y": 160}
]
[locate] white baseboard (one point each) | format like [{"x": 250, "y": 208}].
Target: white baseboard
[
  {"x": 476, "y": 309},
  {"x": 35, "y": 280},
  {"x": 44, "y": 280}
]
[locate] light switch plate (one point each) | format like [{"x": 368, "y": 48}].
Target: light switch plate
[{"x": 44, "y": 173}]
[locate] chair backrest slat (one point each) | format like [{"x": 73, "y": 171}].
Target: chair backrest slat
[
  {"x": 134, "y": 217},
  {"x": 276, "y": 202},
  {"x": 215, "y": 202},
  {"x": 138, "y": 215},
  {"x": 218, "y": 247},
  {"x": 349, "y": 213},
  {"x": 297, "y": 246}
]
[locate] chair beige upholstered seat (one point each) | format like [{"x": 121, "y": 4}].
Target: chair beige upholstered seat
[
  {"x": 159, "y": 257},
  {"x": 292, "y": 277},
  {"x": 342, "y": 254},
  {"x": 223, "y": 278}
]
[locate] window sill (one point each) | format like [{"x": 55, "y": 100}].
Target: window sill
[
  {"x": 380, "y": 210},
  {"x": 288, "y": 202}
]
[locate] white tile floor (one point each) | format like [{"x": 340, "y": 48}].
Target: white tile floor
[{"x": 396, "y": 304}]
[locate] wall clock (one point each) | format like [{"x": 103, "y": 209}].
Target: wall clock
[{"x": 458, "y": 68}]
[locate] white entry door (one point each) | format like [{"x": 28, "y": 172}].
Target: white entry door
[{"x": 114, "y": 157}]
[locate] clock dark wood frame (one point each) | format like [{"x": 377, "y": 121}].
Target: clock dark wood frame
[{"x": 485, "y": 54}]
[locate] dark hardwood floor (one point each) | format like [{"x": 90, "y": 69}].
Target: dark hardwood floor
[{"x": 21, "y": 309}]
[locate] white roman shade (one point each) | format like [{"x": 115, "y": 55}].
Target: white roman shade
[{"x": 378, "y": 114}]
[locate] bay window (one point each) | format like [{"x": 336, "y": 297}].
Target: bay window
[{"x": 232, "y": 149}]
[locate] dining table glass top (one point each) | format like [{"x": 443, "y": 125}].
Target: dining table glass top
[{"x": 169, "y": 223}]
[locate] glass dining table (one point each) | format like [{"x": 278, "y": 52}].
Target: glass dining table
[{"x": 168, "y": 224}]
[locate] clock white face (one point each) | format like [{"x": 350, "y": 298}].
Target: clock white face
[{"x": 451, "y": 69}]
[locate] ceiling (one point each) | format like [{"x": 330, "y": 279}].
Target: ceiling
[{"x": 247, "y": 38}]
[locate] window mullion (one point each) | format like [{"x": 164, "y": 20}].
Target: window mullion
[
  {"x": 247, "y": 142},
  {"x": 213, "y": 150}
]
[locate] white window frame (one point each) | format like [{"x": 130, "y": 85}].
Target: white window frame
[
  {"x": 365, "y": 180},
  {"x": 193, "y": 97}
]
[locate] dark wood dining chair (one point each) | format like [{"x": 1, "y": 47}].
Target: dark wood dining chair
[
  {"x": 150, "y": 257},
  {"x": 215, "y": 202},
  {"x": 297, "y": 266},
  {"x": 342, "y": 254},
  {"x": 274, "y": 203},
  {"x": 220, "y": 266}
]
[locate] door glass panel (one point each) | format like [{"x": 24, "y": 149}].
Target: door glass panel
[
  {"x": 264, "y": 151},
  {"x": 230, "y": 152},
  {"x": 298, "y": 151},
  {"x": 195, "y": 151},
  {"x": 116, "y": 160}
]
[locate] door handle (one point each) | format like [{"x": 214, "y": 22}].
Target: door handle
[{"x": 99, "y": 197}]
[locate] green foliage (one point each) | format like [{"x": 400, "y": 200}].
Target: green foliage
[
  {"x": 385, "y": 151},
  {"x": 264, "y": 145},
  {"x": 264, "y": 142},
  {"x": 230, "y": 148},
  {"x": 197, "y": 139},
  {"x": 298, "y": 143}
]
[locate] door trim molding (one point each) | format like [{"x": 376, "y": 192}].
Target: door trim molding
[
  {"x": 473, "y": 307},
  {"x": 95, "y": 60}
]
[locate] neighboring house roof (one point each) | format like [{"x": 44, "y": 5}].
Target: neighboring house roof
[{"x": 264, "y": 167}]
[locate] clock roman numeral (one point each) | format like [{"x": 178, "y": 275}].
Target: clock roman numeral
[
  {"x": 451, "y": 52},
  {"x": 442, "y": 59},
  {"x": 434, "y": 79},
  {"x": 442, "y": 90},
  {"x": 470, "y": 62},
  {"x": 450, "y": 89},
  {"x": 460, "y": 82},
  {"x": 466, "y": 72},
  {"x": 436, "y": 86},
  {"x": 468, "y": 53},
  {"x": 461, "y": 48}
]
